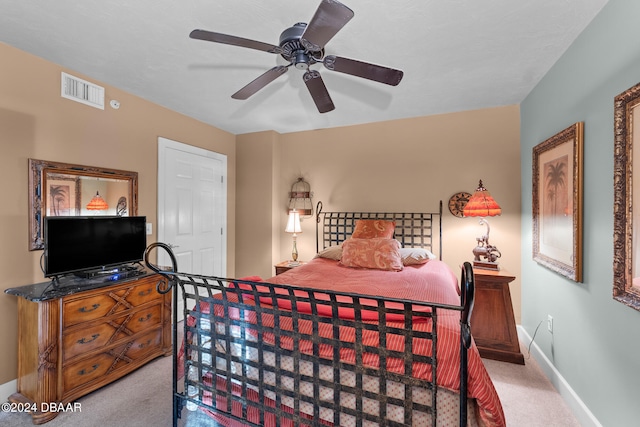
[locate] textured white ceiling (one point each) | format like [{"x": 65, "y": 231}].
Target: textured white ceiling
[{"x": 456, "y": 54}]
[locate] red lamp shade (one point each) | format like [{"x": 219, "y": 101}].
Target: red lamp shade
[
  {"x": 481, "y": 204},
  {"x": 97, "y": 203}
]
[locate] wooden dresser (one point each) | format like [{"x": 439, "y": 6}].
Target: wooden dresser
[
  {"x": 493, "y": 325},
  {"x": 75, "y": 338}
]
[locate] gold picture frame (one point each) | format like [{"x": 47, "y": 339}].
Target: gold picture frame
[
  {"x": 626, "y": 274},
  {"x": 557, "y": 202}
]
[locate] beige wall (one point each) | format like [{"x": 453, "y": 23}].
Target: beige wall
[
  {"x": 402, "y": 165},
  {"x": 35, "y": 122},
  {"x": 257, "y": 159}
]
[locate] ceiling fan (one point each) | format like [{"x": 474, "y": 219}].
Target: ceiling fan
[{"x": 303, "y": 45}]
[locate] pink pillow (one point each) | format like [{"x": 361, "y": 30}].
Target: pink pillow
[
  {"x": 372, "y": 228},
  {"x": 375, "y": 253}
]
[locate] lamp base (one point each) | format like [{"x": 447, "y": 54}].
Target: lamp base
[
  {"x": 293, "y": 263},
  {"x": 486, "y": 265}
]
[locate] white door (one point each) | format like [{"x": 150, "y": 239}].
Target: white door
[{"x": 192, "y": 207}]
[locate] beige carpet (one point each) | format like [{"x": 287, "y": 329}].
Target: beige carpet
[
  {"x": 528, "y": 397},
  {"x": 143, "y": 399}
]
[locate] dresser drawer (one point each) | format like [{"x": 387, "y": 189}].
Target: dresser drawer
[
  {"x": 88, "y": 337},
  {"x": 108, "y": 301},
  {"x": 144, "y": 292},
  {"x": 125, "y": 356}
]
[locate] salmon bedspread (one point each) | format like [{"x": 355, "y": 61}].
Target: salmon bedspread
[{"x": 431, "y": 282}]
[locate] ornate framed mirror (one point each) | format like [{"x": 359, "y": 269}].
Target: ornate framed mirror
[
  {"x": 626, "y": 188},
  {"x": 64, "y": 189}
]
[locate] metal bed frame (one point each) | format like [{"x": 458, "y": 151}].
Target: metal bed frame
[
  {"x": 412, "y": 229},
  {"x": 245, "y": 317}
]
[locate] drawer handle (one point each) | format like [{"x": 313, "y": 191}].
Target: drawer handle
[
  {"x": 144, "y": 293},
  {"x": 85, "y": 341},
  {"x": 85, "y": 372},
  {"x": 87, "y": 310},
  {"x": 144, "y": 319},
  {"x": 143, "y": 345}
]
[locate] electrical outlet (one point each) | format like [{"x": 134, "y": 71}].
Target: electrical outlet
[
  {"x": 149, "y": 228},
  {"x": 550, "y": 323}
]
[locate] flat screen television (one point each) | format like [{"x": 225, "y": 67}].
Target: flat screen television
[{"x": 81, "y": 244}]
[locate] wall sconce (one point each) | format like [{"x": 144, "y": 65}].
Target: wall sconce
[
  {"x": 293, "y": 226},
  {"x": 481, "y": 204},
  {"x": 97, "y": 203},
  {"x": 300, "y": 198}
]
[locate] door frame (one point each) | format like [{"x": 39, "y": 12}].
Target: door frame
[{"x": 163, "y": 145}]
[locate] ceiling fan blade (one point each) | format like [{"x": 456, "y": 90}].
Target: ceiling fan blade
[
  {"x": 260, "y": 82},
  {"x": 329, "y": 18},
  {"x": 234, "y": 41},
  {"x": 377, "y": 73},
  {"x": 318, "y": 91}
]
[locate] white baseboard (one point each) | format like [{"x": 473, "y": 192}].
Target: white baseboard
[
  {"x": 7, "y": 389},
  {"x": 573, "y": 401}
]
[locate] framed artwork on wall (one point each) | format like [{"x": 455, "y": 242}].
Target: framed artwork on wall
[
  {"x": 557, "y": 202},
  {"x": 62, "y": 196},
  {"x": 626, "y": 220}
]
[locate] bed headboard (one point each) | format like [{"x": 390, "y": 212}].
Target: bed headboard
[{"x": 422, "y": 229}]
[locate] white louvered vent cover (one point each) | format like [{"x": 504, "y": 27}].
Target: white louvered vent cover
[{"x": 79, "y": 90}]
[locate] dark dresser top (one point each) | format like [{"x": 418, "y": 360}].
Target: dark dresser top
[{"x": 58, "y": 288}]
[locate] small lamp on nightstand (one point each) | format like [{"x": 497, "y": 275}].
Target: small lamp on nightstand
[
  {"x": 293, "y": 226},
  {"x": 481, "y": 204}
]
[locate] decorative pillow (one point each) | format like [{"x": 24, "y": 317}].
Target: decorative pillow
[
  {"x": 332, "y": 252},
  {"x": 375, "y": 253},
  {"x": 414, "y": 256},
  {"x": 373, "y": 228}
]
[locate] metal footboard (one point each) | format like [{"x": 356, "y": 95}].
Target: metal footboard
[{"x": 266, "y": 354}]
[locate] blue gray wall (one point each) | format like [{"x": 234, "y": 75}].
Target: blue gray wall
[{"x": 595, "y": 345}]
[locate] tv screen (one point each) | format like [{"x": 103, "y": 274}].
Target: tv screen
[{"x": 79, "y": 244}]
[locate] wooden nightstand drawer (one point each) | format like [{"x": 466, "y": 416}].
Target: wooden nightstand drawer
[{"x": 284, "y": 266}]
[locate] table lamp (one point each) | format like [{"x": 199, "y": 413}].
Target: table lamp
[
  {"x": 482, "y": 205},
  {"x": 293, "y": 226}
]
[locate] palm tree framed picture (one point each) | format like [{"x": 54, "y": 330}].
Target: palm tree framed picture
[
  {"x": 557, "y": 202},
  {"x": 62, "y": 196}
]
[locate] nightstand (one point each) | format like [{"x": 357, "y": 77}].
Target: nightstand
[
  {"x": 283, "y": 266},
  {"x": 493, "y": 325}
]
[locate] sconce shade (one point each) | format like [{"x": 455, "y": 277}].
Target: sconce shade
[
  {"x": 481, "y": 204},
  {"x": 97, "y": 203},
  {"x": 300, "y": 198},
  {"x": 293, "y": 224}
]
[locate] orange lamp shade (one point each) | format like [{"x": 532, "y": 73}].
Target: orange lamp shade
[
  {"x": 97, "y": 203},
  {"x": 481, "y": 204}
]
